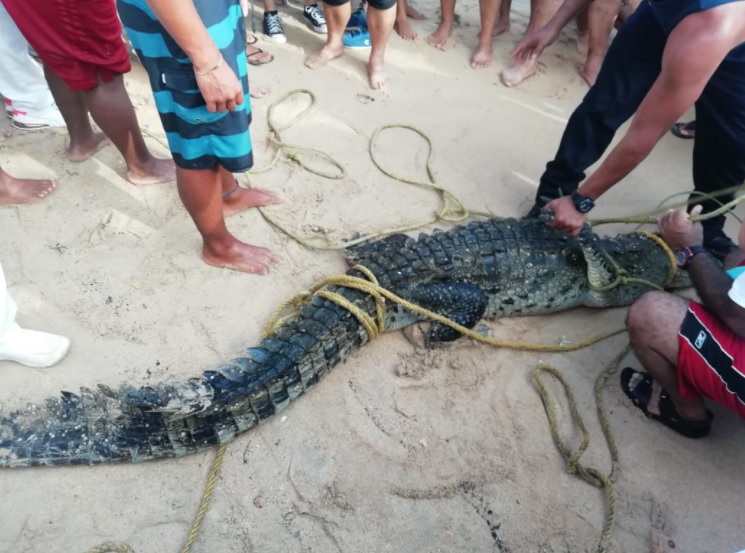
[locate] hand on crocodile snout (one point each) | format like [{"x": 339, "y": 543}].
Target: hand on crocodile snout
[
  {"x": 566, "y": 217},
  {"x": 678, "y": 230}
]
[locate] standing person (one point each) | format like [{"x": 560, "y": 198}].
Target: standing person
[
  {"x": 381, "y": 16},
  {"x": 28, "y": 101},
  {"x": 667, "y": 57},
  {"x": 28, "y": 347},
  {"x": 201, "y": 91},
  {"x": 84, "y": 59}
]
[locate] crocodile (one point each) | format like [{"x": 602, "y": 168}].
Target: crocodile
[{"x": 492, "y": 268}]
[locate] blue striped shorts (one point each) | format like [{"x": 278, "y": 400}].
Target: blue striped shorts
[{"x": 198, "y": 139}]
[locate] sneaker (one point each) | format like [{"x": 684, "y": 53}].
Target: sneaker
[
  {"x": 315, "y": 17},
  {"x": 358, "y": 38},
  {"x": 32, "y": 348},
  {"x": 9, "y": 108},
  {"x": 358, "y": 20},
  {"x": 273, "y": 28},
  {"x": 32, "y": 120}
]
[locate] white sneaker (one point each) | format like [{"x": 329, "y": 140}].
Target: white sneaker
[
  {"x": 273, "y": 29},
  {"x": 39, "y": 119},
  {"x": 32, "y": 348}
]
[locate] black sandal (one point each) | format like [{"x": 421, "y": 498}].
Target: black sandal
[
  {"x": 686, "y": 131},
  {"x": 642, "y": 393}
]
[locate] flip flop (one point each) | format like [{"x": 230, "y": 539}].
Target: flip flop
[
  {"x": 258, "y": 52},
  {"x": 251, "y": 40},
  {"x": 642, "y": 393},
  {"x": 686, "y": 131}
]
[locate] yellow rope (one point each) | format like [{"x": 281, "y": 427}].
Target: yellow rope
[
  {"x": 572, "y": 457},
  {"x": 206, "y": 498}
]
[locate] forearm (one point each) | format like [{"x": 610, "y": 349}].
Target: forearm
[
  {"x": 181, "y": 20},
  {"x": 712, "y": 284},
  {"x": 623, "y": 159}
]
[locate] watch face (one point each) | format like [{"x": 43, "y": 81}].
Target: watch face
[
  {"x": 681, "y": 258},
  {"x": 585, "y": 205}
]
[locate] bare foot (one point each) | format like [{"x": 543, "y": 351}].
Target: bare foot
[
  {"x": 155, "y": 171},
  {"x": 81, "y": 152},
  {"x": 518, "y": 73},
  {"x": 501, "y": 26},
  {"x": 376, "y": 75},
  {"x": 257, "y": 92},
  {"x": 413, "y": 13},
  {"x": 404, "y": 28},
  {"x": 244, "y": 198},
  {"x": 241, "y": 257},
  {"x": 324, "y": 55},
  {"x": 591, "y": 68},
  {"x": 23, "y": 191},
  {"x": 440, "y": 37},
  {"x": 482, "y": 58}
]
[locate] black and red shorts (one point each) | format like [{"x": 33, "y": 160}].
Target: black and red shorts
[{"x": 711, "y": 360}]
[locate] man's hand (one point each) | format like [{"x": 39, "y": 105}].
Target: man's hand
[
  {"x": 533, "y": 44},
  {"x": 678, "y": 230},
  {"x": 221, "y": 89},
  {"x": 566, "y": 217}
]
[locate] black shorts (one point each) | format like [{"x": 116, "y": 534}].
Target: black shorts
[{"x": 377, "y": 4}]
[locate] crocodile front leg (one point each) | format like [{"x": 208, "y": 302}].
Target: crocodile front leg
[{"x": 460, "y": 302}]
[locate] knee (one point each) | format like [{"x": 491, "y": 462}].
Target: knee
[{"x": 642, "y": 314}]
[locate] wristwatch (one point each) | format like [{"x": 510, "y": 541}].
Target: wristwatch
[
  {"x": 683, "y": 257},
  {"x": 583, "y": 204}
]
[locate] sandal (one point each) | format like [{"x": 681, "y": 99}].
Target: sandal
[
  {"x": 642, "y": 393},
  {"x": 253, "y": 56},
  {"x": 686, "y": 131}
]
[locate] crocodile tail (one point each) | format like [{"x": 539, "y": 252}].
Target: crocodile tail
[{"x": 173, "y": 420}]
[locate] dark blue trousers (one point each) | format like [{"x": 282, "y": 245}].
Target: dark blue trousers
[{"x": 631, "y": 67}]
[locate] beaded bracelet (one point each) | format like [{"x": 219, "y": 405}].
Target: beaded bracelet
[{"x": 219, "y": 63}]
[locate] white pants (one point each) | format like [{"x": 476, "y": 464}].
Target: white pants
[
  {"x": 21, "y": 79},
  {"x": 7, "y": 307}
]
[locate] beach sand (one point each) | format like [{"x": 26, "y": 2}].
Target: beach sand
[{"x": 397, "y": 449}]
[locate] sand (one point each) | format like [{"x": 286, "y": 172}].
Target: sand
[{"x": 397, "y": 449}]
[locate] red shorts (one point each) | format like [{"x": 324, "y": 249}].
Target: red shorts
[
  {"x": 80, "y": 41},
  {"x": 711, "y": 360}
]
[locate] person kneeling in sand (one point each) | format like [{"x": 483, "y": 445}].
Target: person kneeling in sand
[
  {"x": 381, "y": 16},
  {"x": 690, "y": 350},
  {"x": 201, "y": 92}
]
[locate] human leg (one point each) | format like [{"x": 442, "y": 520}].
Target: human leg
[
  {"x": 402, "y": 25},
  {"x": 235, "y": 198},
  {"x": 540, "y": 12},
  {"x": 112, "y": 110},
  {"x": 630, "y": 68},
  {"x": 380, "y": 20},
  {"x": 653, "y": 322},
  {"x": 21, "y": 79},
  {"x": 84, "y": 141},
  {"x": 718, "y": 163},
  {"x": 337, "y": 16},
  {"x": 23, "y": 191},
  {"x": 485, "y": 50},
  {"x": 439, "y": 38},
  {"x": 502, "y": 25},
  {"x": 601, "y": 14},
  {"x": 201, "y": 192}
]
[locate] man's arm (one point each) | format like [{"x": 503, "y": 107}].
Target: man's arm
[
  {"x": 217, "y": 81},
  {"x": 711, "y": 281},
  {"x": 694, "y": 50}
]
